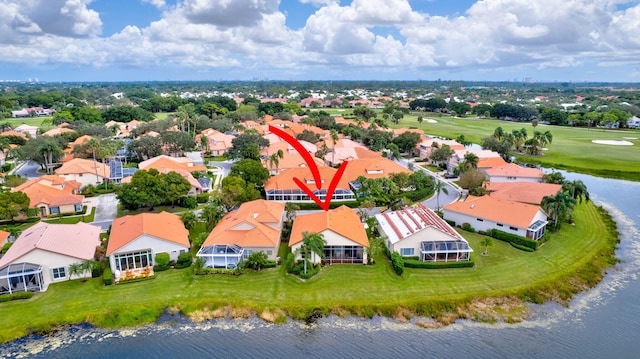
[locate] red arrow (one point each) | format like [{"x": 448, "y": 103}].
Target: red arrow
[{"x": 314, "y": 170}]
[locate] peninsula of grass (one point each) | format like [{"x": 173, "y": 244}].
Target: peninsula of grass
[
  {"x": 571, "y": 261},
  {"x": 571, "y": 148}
]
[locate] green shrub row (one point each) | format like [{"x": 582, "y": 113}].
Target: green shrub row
[
  {"x": 523, "y": 248},
  {"x": 107, "y": 277},
  {"x": 209, "y": 271},
  {"x": 513, "y": 239},
  {"x": 416, "y": 196},
  {"x": 334, "y": 204},
  {"x": 270, "y": 264},
  {"x": 202, "y": 197},
  {"x": 15, "y": 296},
  {"x": 398, "y": 263},
  {"x": 410, "y": 263}
]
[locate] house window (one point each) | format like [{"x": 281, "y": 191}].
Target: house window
[
  {"x": 247, "y": 253},
  {"x": 499, "y": 224},
  {"x": 269, "y": 253},
  {"x": 479, "y": 219},
  {"x": 513, "y": 228},
  {"x": 77, "y": 207},
  {"x": 406, "y": 252},
  {"x": 58, "y": 273},
  {"x": 54, "y": 210}
]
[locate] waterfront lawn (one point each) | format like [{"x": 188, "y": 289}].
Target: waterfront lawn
[
  {"x": 571, "y": 148},
  {"x": 356, "y": 289}
]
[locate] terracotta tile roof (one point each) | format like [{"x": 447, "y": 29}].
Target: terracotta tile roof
[
  {"x": 57, "y": 131},
  {"x": 405, "y": 222},
  {"x": 80, "y": 165},
  {"x": 342, "y": 220},
  {"x": 74, "y": 240},
  {"x": 39, "y": 193},
  {"x": 4, "y": 236},
  {"x": 373, "y": 168},
  {"x": 482, "y": 154},
  {"x": 290, "y": 159},
  {"x": 498, "y": 210},
  {"x": 525, "y": 192},
  {"x": 163, "y": 225},
  {"x": 399, "y": 131},
  {"x": 219, "y": 141},
  {"x": 255, "y": 224},
  {"x": 173, "y": 163},
  {"x": 185, "y": 174},
  {"x": 284, "y": 180},
  {"x": 513, "y": 170},
  {"x": 13, "y": 133},
  {"x": 491, "y": 162},
  {"x": 350, "y": 153}
]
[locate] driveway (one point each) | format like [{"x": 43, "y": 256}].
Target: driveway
[
  {"x": 106, "y": 210},
  {"x": 28, "y": 169}
]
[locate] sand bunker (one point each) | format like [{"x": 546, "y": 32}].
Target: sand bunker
[
  {"x": 431, "y": 121},
  {"x": 630, "y": 138},
  {"x": 613, "y": 142}
]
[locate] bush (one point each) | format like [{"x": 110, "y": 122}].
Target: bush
[
  {"x": 6, "y": 167},
  {"x": 398, "y": 263},
  {"x": 107, "y": 277},
  {"x": 6, "y": 247},
  {"x": 188, "y": 202},
  {"x": 466, "y": 226},
  {"x": 162, "y": 262},
  {"x": 514, "y": 239},
  {"x": 334, "y": 204},
  {"x": 15, "y": 296},
  {"x": 289, "y": 262},
  {"x": 523, "y": 248},
  {"x": 437, "y": 265},
  {"x": 184, "y": 260},
  {"x": 202, "y": 198}
]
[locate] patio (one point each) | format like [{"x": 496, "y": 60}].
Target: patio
[
  {"x": 221, "y": 256},
  {"x": 21, "y": 277}
]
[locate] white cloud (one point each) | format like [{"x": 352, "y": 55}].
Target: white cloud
[
  {"x": 160, "y": 4},
  {"x": 228, "y": 13},
  {"x": 319, "y": 3}
]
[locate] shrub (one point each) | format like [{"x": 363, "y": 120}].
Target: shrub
[
  {"x": 398, "y": 263},
  {"x": 188, "y": 202},
  {"x": 289, "y": 262},
  {"x": 466, "y": 226},
  {"x": 202, "y": 198},
  {"x": 6, "y": 167},
  {"x": 437, "y": 265},
  {"x": 107, "y": 277},
  {"x": 184, "y": 260},
  {"x": 514, "y": 239},
  {"x": 162, "y": 262},
  {"x": 15, "y": 296},
  {"x": 256, "y": 260},
  {"x": 523, "y": 248},
  {"x": 6, "y": 247}
]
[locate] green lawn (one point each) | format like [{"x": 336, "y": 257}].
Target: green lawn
[
  {"x": 163, "y": 115},
  {"x": 74, "y": 219},
  {"x": 32, "y": 121},
  {"x": 571, "y": 148},
  {"x": 361, "y": 290}
]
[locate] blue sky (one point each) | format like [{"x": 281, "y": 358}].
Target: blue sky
[{"x": 489, "y": 40}]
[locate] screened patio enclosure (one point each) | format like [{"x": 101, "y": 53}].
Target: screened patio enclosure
[
  {"x": 343, "y": 254},
  {"x": 445, "y": 251},
  {"x": 133, "y": 260},
  {"x": 221, "y": 255},
  {"x": 294, "y": 195},
  {"x": 21, "y": 277}
]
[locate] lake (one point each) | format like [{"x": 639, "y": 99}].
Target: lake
[{"x": 603, "y": 322}]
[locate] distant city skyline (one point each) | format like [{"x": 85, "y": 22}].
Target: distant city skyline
[{"x": 210, "y": 40}]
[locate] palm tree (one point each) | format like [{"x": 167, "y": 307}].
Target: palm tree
[
  {"x": 545, "y": 138},
  {"x": 46, "y": 150},
  {"x": 577, "y": 189},
  {"x": 470, "y": 161},
  {"x": 420, "y": 119},
  {"x": 93, "y": 144},
  {"x": 290, "y": 209},
  {"x": 486, "y": 242},
  {"x": 394, "y": 151},
  {"x": 75, "y": 269},
  {"x": 558, "y": 207},
  {"x": 498, "y": 133},
  {"x": 334, "y": 139},
  {"x": 311, "y": 243},
  {"x": 534, "y": 123},
  {"x": 440, "y": 186}
]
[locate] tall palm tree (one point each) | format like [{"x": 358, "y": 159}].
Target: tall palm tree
[
  {"x": 274, "y": 159},
  {"x": 470, "y": 161},
  {"x": 534, "y": 123},
  {"x": 577, "y": 189},
  {"x": 545, "y": 138},
  {"x": 47, "y": 149},
  {"x": 93, "y": 144},
  {"x": 498, "y": 133},
  {"x": 312, "y": 243},
  {"x": 440, "y": 186},
  {"x": 558, "y": 207},
  {"x": 334, "y": 139}
]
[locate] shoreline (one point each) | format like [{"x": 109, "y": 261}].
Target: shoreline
[{"x": 489, "y": 307}]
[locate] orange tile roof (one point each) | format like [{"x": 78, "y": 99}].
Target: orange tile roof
[
  {"x": 525, "y": 192},
  {"x": 161, "y": 225},
  {"x": 174, "y": 163},
  {"x": 80, "y": 165},
  {"x": 342, "y": 220},
  {"x": 491, "y": 162},
  {"x": 57, "y": 131},
  {"x": 290, "y": 159},
  {"x": 39, "y": 192},
  {"x": 3, "y": 236},
  {"x": 498, "y": 210},
  {"x": 513, "y": 170},
  {"x": 13, "y": 133},
  {"x": 254, "y": 224},
  {"x": 372, "y": 168},
  {"x": 284, "y": 180}
]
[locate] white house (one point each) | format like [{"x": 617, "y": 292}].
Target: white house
[
  {"x": 487, "y": 213},
  {"x": 42, "y": 254},
  {"x": 633, "y": 122},
  {"x": 87, "y": 172},
  {"x": 135, "y": 240},
  {"x": 419, "y": 232}
]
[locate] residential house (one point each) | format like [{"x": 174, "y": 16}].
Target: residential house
[
  {"x": 633, "y": 122},
  {"x": 31, "y": 131},
  {"x": 254, "y": 227},
  {"x": 58, "y": 131},
  {"x": 184, "y": 166},
  {"x": 282, "y": 187},
  {"x": 487, "y": 213},
  {"x": 337, "y": 155},
  {"x": 371, "y": 168},
  {"x": 511, "y": 172},
  {"x": 135, "y": 240},
  {"x": 418, "y": 232},
  {"x": 4, "y": 237},
  {"x": 525, "y": 192},
  {"x": 218, "y": 143},
  {"x": 426, "y": 147},
  {"x": 15, "y": 133},
  {"x": 42, "y": 254},
  {"x": 68, "y": 152},
  {"x": 344, "y": 234},
  {"x": 291, "y": 158},
  {"x": 52, "y": 194},
  {"x": 87, "y": 172}
]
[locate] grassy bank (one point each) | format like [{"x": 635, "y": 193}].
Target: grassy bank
[
  {"x": 572, "y": 260},
  {"x": 571, "y": 148}
]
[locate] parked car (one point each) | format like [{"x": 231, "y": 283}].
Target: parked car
[{"x": 450, "y": 175}]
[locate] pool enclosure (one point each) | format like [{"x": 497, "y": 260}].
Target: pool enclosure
[
  {"x": 221, "y": 255},
  {"x": 445, "y": 251},
  {"x": 21, "y": 277}
]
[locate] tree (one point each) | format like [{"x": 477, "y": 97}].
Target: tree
[
  {"x": 251, "y": 171},
  {"x": 146, "y": 147},
  {"x": 290, "y": 209},
  {"x": 89, "y": 265},
  {"x": 470, "y": 162},
  {"x": 558, "y": 207},
  {"x": 257, "y": 260},
  {"x": 442, "y": 154},
  {"x": 93, "y": 145},
  {"x": 242, "y": 141},
  {"x": 177, "y": 142},
  {"x": 75, "y": 270},
  {"x": 334, "y": 139},
  {"x": 498, "y": 133},
  {"x": 312, "y": 243},
  {"x": 554, "y": 177},
  {"x": 401, "y": 179},
  {"x": 407, "y": 141},
  {"x": 440, "y": 186},
  {"x": 235, "y": 191},
  {"x": 486, "y": 242},
  {"x": 471, "y": 180},
  {"x": 576, "y": 189},
  {"x": 274, "y": 159},
  {"x": 145, "y": 189},
  {"x": 12, "y": 204},
  {"x": 211, "y": 214},
  {"x": 175, "y": 186},
  {"x": 420, "y": 119},
  {"x": 189, "y": 219},
  {"x": 501, "y": 146}
]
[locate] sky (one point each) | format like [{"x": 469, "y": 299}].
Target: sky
[{"x": 209, "y": 40}]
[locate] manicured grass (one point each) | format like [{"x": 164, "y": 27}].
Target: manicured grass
[
  {"x": 571, "y": 148},
  {"x": 163, "y": 115},
  {"x": 361, "y": 290},
  {"x": 31, "y": 121}
]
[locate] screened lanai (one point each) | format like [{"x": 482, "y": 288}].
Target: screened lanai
[
  {"x": 21, "y": 277},
  {"x": 445, "y": 251},
  {"x": 295, "y": 194},
  {"x": 221, "y": 255}
]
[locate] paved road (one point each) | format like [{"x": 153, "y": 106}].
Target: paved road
[
  {"x": 106, "y": 210},
  {"x": 28, "y": 169}
]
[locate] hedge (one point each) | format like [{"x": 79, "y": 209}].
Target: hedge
[
  {"x": 411, "y": 263},
  {"x": 107, "y": 277},
  {"x": 334, "y": 204},
  {"x": 524, "y": 248},
  {"x": 15, "y": 296},
  {"x": 514, "y": 239},
  {"x": 398, "y": 263}
]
